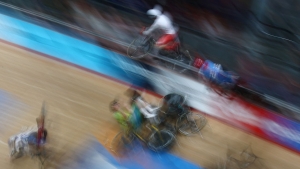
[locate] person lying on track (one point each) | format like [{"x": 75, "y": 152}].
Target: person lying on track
[{"x": 25, "y": 141}]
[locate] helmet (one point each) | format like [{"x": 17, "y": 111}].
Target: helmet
[
  {"x": 113, "y": 105},
  {"x": 153, "y": 13}
]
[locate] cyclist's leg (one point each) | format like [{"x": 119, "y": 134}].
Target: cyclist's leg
[
  {"x": 165, "y": 40},
  {"x": 18, "y": 143},
  {"x": 12, "y": 145}
]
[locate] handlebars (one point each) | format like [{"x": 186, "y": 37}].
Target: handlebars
[{"x": 142, "y": 30}]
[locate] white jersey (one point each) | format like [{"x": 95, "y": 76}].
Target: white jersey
[
  {"x": 162, "y": 22},
  {"x": 146, "y": 108}
]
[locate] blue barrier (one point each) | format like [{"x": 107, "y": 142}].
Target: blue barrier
[{"x": 60, "y": 46}]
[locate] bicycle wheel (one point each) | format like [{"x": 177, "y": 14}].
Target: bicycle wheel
[
  {"x": 186, "y": 59},
  {"x": 161, "y": 140},
  {"x": 139, "y": 48},
  {"x": 45, "y": 158},
  {"x": 224, "y": 90},
  {"x": 120, "y": 142},
  {"x": 190, "y": 123}
]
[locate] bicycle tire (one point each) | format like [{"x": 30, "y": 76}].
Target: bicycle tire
[
  {"x": 135, "y": 45},
  {"x": 188, "y": 57},
  {"x": 187, "y": 60},
  {"x": 45, "y": 158},
  {"x": 156, "y": 144},
  {"x": 187, "y": 126},
  {"x": 119, "y": 142}
]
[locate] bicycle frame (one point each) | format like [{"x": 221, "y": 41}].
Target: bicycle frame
[
  {"x": 150, "y": 40},
  {"x": 135, "y": 134},
  {"x": 165, "y": 137}
]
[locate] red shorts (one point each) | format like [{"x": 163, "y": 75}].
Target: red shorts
[{"x": 165, "y": 39}]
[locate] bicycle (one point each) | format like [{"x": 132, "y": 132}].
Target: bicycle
[
  {"x": 44, "y": 155},
  {"x": 159, "y": 140},
  {"x": 172, "y": 104},
  {"x": 190, "y": 123},
  {"x": 225, "y": 89},
  {"x": 143, "y": 45},
  {"x": 186, "y": 123}
]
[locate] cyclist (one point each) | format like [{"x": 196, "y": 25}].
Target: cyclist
[
  {"x": 164, "y": 23},
  {"x": 145, "y": 108},
  {"x": 36, "y": 138},
  {"x": 125, "y": 115},
  {"x": 215, "y": 73}
]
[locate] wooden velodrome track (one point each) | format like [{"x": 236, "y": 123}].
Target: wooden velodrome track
[{"x": 77, "y": 104}]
